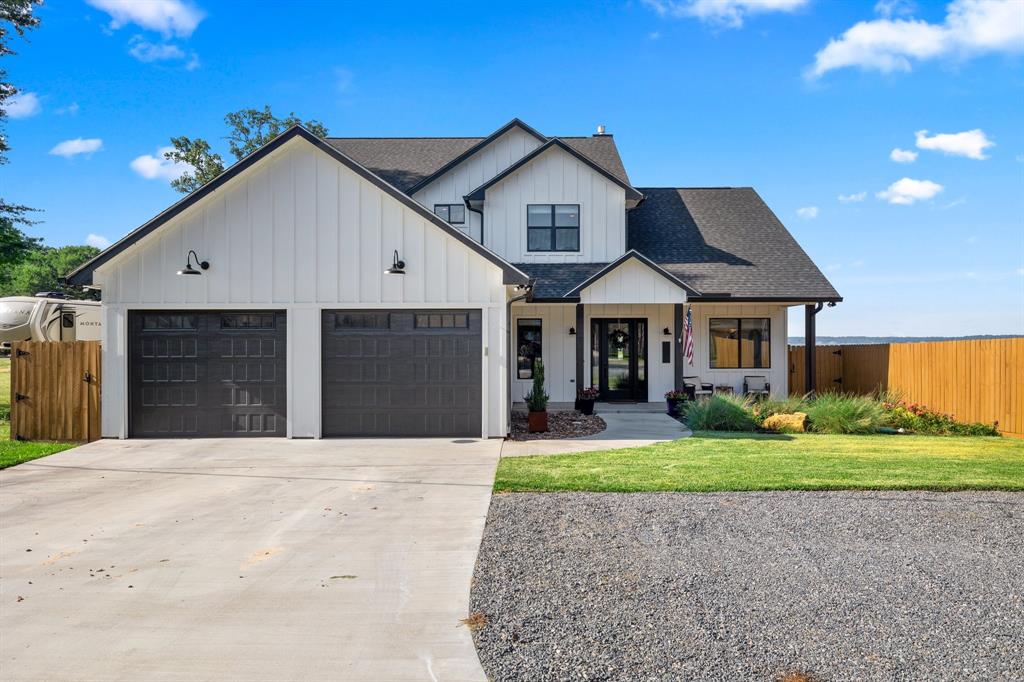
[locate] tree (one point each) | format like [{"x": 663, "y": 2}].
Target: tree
[
  {"x": 42, "y": 270},
  {"x": 14, "y": 244},
  {"x": 248, "y": 130},
  {"x": 17, "y": 14},
  {"x": 196, "y": 153}
]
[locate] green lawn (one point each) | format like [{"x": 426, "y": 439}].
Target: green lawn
[
  {"x": 11, "y": 451},
  {"x": 733, "y": 461}
]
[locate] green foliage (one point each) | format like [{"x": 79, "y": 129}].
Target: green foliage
[
  {"x": 205, "y": 164},
  {"x": 766, "y": 407},
  {"x": 838, "y": 413},
  {"x": 537, "y": 398},
  {"x": 248, "y": 130},
  {"x": 917, "y": 418},
  {"x": 42, "y": 269},
  {"x": 14, "y": 244},
  {"x": 721, "y": 413},
  {"x": 16, "y": 14},
  {"x": 252, "y": 128}
]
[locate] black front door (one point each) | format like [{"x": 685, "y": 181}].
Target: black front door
[{"x": 619, "y": 358}]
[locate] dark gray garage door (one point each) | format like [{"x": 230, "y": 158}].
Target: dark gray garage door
[
  {"x": 402, "y": 373},
  {"x": 207, "y": 374}
]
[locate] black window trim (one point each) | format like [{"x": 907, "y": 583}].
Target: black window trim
[
  {"x": 448, "y": 219},
  {"x": 540, "y": 328},
  {"x": 739, "y": 340},
  {"x": 553, "y": 228}
]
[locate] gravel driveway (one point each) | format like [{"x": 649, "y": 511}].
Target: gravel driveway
[{"x": 750, "y": 586}]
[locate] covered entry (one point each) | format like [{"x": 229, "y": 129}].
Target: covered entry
[
  {"x": 402, "y": 373},
  {"x": 207, "y": 374}
]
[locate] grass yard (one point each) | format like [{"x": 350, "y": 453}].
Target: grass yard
[
  {"x": 716, "y": 461},
  {"x": 11, "y": 451}
]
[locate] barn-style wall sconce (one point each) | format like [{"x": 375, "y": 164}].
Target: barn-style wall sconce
[
  {"x": 189, "y": 270},
  {"x": 572, "y": 331},
  {"x": 666, "y": 332},
  {"x": 397, "y": 266}
]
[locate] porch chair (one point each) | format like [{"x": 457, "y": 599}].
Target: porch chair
[
  {"x": 697, "y": 388},
  {"x": 756, "y": 386}
]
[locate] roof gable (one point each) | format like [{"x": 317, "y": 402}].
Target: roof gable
[
  {"x": 480, "y": 192},
  {"x": 83, "y": 274},
  {"x": 631, "y": 257}
]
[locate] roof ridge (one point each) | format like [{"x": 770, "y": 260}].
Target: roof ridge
[{"x": 414, "y": 137}]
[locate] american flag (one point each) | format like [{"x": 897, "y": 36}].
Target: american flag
[{"x": 688, "y": 336}]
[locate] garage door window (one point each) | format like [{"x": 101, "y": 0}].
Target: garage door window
[
  {"x": 247, "y": 321},
  {"x": 442, "y": 321},
  {"x": 170, "y": 322},
  {"x": 362, "y": 321}
]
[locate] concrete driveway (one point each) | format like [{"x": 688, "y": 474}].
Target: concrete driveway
[{"x": 243, "y": 560}]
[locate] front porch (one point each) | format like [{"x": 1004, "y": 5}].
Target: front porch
[
  {"x": 633, "y": 353},
  {"x": 653, "y": 407}
]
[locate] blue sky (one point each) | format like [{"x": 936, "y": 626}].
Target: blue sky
[{"x": 805, "y": 100}]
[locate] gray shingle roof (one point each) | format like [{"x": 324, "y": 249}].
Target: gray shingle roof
[
  {"x": 555, "y": 280},
  {"x": 724, "y": 241},
  {"x": 405, "y": 161}
]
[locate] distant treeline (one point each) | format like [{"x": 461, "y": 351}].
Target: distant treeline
[{"x": 851, "y": 340}]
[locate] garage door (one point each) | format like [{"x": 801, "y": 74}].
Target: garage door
[
  {"x": 402, "y": 373},
  {"x": 207, "y": 374}
]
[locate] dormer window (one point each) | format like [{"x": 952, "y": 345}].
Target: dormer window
[
  {"x": 553, "y": 227},
  {"x": 455, "y": 214}
]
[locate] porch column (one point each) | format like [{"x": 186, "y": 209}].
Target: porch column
[
  {"x": 677, "y": 357},
  {"x": 579, "y": 346},
  {"x": 810, "y": 345}
]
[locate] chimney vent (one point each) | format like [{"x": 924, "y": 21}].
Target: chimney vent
[{"x": 600, "y": 130}]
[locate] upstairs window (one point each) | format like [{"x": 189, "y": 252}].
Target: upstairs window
[
  {"x": 453, "y": 213},
  {"x": 553, "y": 227}
]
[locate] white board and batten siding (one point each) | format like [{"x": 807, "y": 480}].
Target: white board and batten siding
[
  {"x": 300, "y": 232},
  {"x": 556, "y": 177},
  {"x": 633, "y": 282},
  {"x": 465, "y": 177}
]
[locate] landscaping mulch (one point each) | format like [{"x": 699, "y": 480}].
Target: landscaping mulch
[
  {"x": 752, "y": 586},
  {"x": 560, "y": 425}
]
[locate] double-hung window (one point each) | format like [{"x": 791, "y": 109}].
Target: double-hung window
[
  {"x": 553, "y": 227},
  {"x": 740, "y": 343},
  {"x": 453, "y": 213}
]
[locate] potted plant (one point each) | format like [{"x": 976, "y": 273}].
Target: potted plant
[
  {"x": 537, "y": 400},
  {"x": 585, "y": 398},
  {"x": 672, "y": 400}
]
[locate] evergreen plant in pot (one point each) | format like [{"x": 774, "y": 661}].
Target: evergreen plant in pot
[{"x": 537, "y": 400}]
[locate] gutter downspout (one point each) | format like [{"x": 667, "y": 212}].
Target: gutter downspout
[
  {"x": 508, "y": 352},
  {"x": 810, "y": 345},
  {"x": 479, "y": 212}
]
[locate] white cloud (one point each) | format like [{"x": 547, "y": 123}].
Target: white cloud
[
  {"x": 970, "y": 143},
  {"x": 953, "y": 204},
  {"x": 157, "y": 167},
  {"x": 808, "y": 212},
  {"x": 23, "y": 105},
  {"x": 903, "y": 155},
  {"x": 145, "y": 51},
  {"x": 971, "y": 28},
  {"x": 906, "y": 191},
  {"x": 891, "y": 8},
  {"x": 169, "y": 17},
  {"x": 97, "y": 240},
  {"x": 730, "y": 13},
  {"x": 851, "y": 198},
  {"x": 70, "y": 110},
  {"x": 653, "y": 35},
  {"x": 71, "y": 148}
]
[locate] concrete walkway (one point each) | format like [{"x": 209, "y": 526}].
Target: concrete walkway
[
  {"x": 625, "y": 430},
  {"x": 243, "y": 560}
]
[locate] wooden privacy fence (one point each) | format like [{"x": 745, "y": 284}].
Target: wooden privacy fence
[
  {"x": 55, "y": 390},
  {"x": 975, "y": 381}
]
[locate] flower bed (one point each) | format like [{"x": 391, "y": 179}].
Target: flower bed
[{"x": 560, "y": 425}]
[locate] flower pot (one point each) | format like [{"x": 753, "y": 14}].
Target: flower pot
[
  {"x": 585, "y": 406},
  {"x": 538, "y": 421},
  {"x": 673, "y": 407}
]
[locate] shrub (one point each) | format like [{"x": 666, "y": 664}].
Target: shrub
[
  {"x": 766, "y": 407},
  {"x": 721, "y": 413},
  {"x": 537, "y": 399},
  {"x": 918, "y": 418},
  {"x": 838, "y": 413}
]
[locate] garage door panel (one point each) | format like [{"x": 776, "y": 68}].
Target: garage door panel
[
  {"x": 207, "y": 374},
  {"x": 402, "y": 373}
]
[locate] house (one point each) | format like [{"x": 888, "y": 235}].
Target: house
[{"x": 405, "y": 286}]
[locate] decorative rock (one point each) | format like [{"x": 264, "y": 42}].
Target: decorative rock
[{"x": 787, "y": 423}]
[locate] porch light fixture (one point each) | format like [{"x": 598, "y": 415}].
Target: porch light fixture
[
  {"x": 397, "y": 266},
  {"x": 572, "y": 331},
  {"x": 666, "y": 332},
  {"x": 189, "y": 270}
]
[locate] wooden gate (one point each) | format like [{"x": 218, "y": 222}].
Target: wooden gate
[{"x": 55, "y": 390}]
